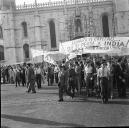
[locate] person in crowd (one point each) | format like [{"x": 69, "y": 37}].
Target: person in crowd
[
  {"x": 38, "y": 76},
  {"x": 72, "y": 79},
  {"x": 78, "y": 76},
  {"x": 11, "y": 75},
  {"x": 111, "y": 75},
  {"x": 7, "y": 74},
  {"x": 3, "y": 74},
  {"x": 56, "y": 71},
  {"x": 88, "y": 76},
  {"x": 49, "y": 75},
  {"x": 26, "y": 75},
  {"x": 97, "y": 81},
  {"x": 103, "y": 75},
  {"x": 127, "y": 74},
  {"x": 120, "y": 79},
  {"x": 63, "y": 83},
  {"x": 23, "y": 78},
  {"x": 17, "y": 76},
  {"x": 43, "y": 73},
  {"x": 82, "y": 74},
  {"x": 124, "y": 70},
  {"x": 31, "y": 79},
  {"x": 93, "y": 78}
]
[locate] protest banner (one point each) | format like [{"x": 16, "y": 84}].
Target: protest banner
[
  {"x": 36, "y": 52},
  {"x": 49, "y": 59},
  {"x": 94, "y": 44},
  {"x": 56, "y": 55}
]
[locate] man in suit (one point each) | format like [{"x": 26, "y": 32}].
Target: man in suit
[
  {"x": 49, "y": 75},
  {"x": 72, "y": 79},
  {"x": 63, "y": 83},
  {"x": 78, "y": 76},
  {"x": 31, "y": 79},
  {"x": 88, "y": 76},
  {"x": 120, "y": 79},
  {"x": 17, "y": 78},
  {"x": 23, "y": 79}
]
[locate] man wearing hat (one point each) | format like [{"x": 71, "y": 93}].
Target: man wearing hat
[
  {"x": 31, "y": 79},
  {"x": 103, "y": 75}
]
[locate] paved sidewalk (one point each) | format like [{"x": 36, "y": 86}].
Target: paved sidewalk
[{"x": 42, "y": 110}]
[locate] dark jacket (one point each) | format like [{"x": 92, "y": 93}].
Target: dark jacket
[{"x": 31, "y": 75}]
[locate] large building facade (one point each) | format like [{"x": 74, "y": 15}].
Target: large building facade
[{"x": 44, "y": 26}]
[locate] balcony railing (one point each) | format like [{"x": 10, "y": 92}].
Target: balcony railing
[{"x": 59, "y": 3}]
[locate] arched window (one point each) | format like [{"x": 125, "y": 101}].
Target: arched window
[
  {"x": 78, "y": 26},
  {"x": 1, "y": 52},
  {"x": 24, "y": 27},
  {"x": 105, "y": 26},
  {"x": 26, "y": 50},
  {"x": 1, "y": 33},
  {"x": 52, "y": 34}
]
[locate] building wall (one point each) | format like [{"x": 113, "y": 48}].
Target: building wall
[{"x": 38, "y": 26}]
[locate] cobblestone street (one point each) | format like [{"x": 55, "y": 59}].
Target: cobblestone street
[{"x": 22, "y": 110}]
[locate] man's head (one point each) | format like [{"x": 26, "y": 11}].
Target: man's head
[
  {"x": 30, "y": 64},
  {"x": 104, "y": 63}
]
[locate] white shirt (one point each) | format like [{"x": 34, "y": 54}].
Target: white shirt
[
  {"x": 56, "y": 70},
  {"x": 103, "y": 72},
  {"x": 38, "y": 71},
  {"x": 88, "y": 69}
]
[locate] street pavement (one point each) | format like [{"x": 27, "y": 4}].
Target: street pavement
[{"x": 42, "y": 109}]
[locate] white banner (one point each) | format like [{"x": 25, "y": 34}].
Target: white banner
[
  {"x": 94, "y": 45},
  {"x": 48, "y": 59},
  {"x": 56, "y": 55},
  {"x": 36, "y": 52}
]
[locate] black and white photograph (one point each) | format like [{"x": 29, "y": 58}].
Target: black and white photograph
[{"x": 64, "y": 63}]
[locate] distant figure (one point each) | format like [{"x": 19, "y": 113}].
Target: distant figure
[
  {"x": 31, "y": 79},
  {"x": 63, "y": 81},
  {"x": 17, "y": 77},
  {"x": 103, "y": 74},
  {"x": 38, "y": 77},
  {"x": 56, "y": 71}
]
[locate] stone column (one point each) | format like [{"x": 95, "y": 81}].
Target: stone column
[
  {"x": 37, "y": 31},
  {"x": 37, "y": 27},
  {"x": 10, "y": 41}
]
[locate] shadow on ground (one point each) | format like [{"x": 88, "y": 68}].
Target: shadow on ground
[
  {"x": 38, "y": 121},
  {"x": 93, "y": 100},
  {"x": 49, "y": 88}
]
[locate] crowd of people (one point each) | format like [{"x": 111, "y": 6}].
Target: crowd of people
[{"x": 98, "y": 76}]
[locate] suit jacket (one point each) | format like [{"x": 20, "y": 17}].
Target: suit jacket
[
  {"x": 119, "y": 72},
  {"x": 31, "y": 75}
]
